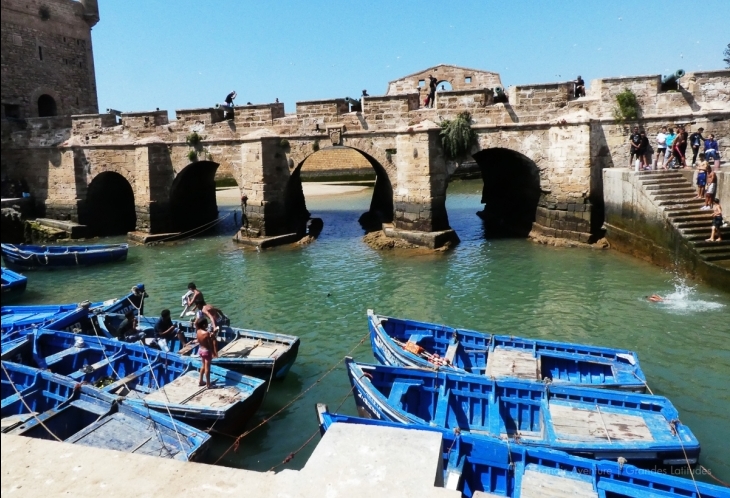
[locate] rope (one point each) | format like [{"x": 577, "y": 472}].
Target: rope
[
  {"x": 154, "y": 377},
  {"x": 291, "y": 455},
  {"x": 675, "y": 431},
  {"x": 203, "y": 227},
  {"x": 124, "y": 383},
  {"x": 22, "y": 400},
  {"x": 707, "y": 471},
  {"x": 598, "y": 408},
  {"x": 642, "y": 380},
  {"x": 291, "y": 402}
]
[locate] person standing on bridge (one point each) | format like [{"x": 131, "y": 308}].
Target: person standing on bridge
[
  {"x": 432, "y": 84},
  {"x": 634, "y": 144},
  {"x": 229, "y": 105}
]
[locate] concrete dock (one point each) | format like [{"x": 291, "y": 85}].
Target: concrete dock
[{"x": 350, "y": 461}]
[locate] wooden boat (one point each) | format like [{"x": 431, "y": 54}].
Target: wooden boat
[
  {"x": 13, "y": 284},
  {"x": 596, "y": 423},
  {"x": 265, "y": 355},
  {"x": 479, "y": 466},
  {"x": 401, "y": 342},
  {"x": 30, "y": 257},
  {"x": 80, "y": 414},
  {"x": 161, "y": 381},
  {"x": 18, "y": 318}
]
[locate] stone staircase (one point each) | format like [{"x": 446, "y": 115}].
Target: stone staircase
[{"x": 675, "y": 195}]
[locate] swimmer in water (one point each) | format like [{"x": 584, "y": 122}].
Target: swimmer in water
[{"x": 655, "y": 298}]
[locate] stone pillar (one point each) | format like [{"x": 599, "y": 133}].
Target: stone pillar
[
  {"x": 420, "y": 199},
  {"x": 263, "y": 178},
  {"x": 565, "y": 178},
  {"x": 152, "y": 181},
  {"x": 62, "y": 201}
]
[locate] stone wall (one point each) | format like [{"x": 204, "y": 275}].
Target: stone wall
[
  {"x": 336, "y": 162},
  {"x": 46, "y": 50},
  {"x": 460, "y": 78}
]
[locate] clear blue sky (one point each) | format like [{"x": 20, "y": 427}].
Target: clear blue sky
[{"x": 184, "y": 53}]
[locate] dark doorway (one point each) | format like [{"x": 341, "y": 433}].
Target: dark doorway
[
  {"x": 46, "y": 106},
  {"x": 109, "y": 208},
  {"x": 381, "y": 205},
  {"x": 192, "y": 197},
  {"x": 511, "y": 192}
]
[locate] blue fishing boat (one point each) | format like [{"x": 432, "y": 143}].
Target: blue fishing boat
[
  {"x": 479, "y": 466},
  {"x": 48, "y": 406},
  {"x": 265, "y": 355},
  {"x": 409, "y": 343},
  {"x": 596, "y": 423},
  {"x": 165, "y": 382},
  {"x": 30, "y": 257},
  {"x": 13, "y": 284},
  {"x": 66, "y": 316}
]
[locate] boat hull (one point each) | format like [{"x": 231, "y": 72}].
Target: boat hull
[
  {"x": 562, "y": 363},
  {"x": 535, "y": 415},
  {"x": 13, "y": 285},
  {"x": 28, "y": 257}
]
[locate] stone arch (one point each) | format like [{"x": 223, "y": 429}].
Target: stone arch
[
  {"x": 511, "y": 191},
  {"x": 49, "y": 93},
  {"x": 47, "y": 106},
  {"x": 109, "y": 207},
  {"x": 381, "y": 205},
  {"x": 446, "y": 84},
  {"x": 192, "y": 201}
]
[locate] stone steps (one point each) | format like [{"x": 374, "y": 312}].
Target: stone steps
[{"x": 676, "y": 196}]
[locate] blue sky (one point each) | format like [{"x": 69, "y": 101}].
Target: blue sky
[{"x": 182, "y": 53}]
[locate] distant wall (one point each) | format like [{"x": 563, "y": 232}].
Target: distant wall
[{"x": 460, "y": 78}]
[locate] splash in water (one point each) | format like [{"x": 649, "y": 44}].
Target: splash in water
[{"x": 685, "y": 299}]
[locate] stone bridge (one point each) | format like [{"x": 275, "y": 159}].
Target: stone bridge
[{"x": 540, "y": 152}]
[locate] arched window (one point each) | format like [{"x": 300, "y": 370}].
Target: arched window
[{"x": 46, "y": 106}]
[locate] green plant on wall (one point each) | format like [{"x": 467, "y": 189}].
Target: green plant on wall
[
  {"x": 315, "y": 146},
  {"x": 457, "y": 137},
  {"x": 192, "y": 155},
  {"x": 627, "y": 108},
  {"x": 193, "y": 140}
]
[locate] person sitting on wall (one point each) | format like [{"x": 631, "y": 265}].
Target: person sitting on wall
[
  {"x": 711, "y": 148},
  {"x": 365, "y": 93},
  {"x": 579, "y": 89}
]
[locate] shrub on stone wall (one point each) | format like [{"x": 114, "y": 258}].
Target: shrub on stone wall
[
  {"x": 628, "y": 106},
  {"x": 457, "y": 137},
  {"x": 192, "y": 155},
  {"x": 193, "y": 139},
  {"x": 315, "y": 146}
]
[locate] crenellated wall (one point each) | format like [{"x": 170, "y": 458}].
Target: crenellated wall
[{"x": 570, "y": 141}]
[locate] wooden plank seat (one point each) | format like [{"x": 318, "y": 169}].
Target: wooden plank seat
[
  {"x": 555, "y": 484},
  {"x": 247, "y": 347},
  {"x": 579, "y": 424},
  {"x": 185, "y": 391},
  {"x": 508, "y": 362}
]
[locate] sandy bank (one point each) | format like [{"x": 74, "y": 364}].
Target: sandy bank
[{"x": 230, "y": 195}]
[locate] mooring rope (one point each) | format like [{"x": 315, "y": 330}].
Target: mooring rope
[
  {"x": 234, "y": 445},
  {"x": 203, "y": 227}
]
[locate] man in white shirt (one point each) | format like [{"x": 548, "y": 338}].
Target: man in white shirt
[{"x": 661, "y": 146}]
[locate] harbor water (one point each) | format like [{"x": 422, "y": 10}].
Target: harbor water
[{"x": 321, "y": 292}]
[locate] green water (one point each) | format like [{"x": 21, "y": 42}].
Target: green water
[{"x": 321, "y": 292}]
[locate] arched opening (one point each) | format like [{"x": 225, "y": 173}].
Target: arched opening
[
  {"x": 444, "y": 86},
  {"x": 510, "y": 194},
  {"x": 193, "y": 197},
  {"x": 46, "y": 106},
  {"x": 109, "y": 208},
  {"x": 381, "y": 203}
]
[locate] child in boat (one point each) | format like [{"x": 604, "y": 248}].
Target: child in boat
[
  {"x": 206, "y": 341},
  {"x": 215, "y": 316},
  {"x": 166, "y": 331}
]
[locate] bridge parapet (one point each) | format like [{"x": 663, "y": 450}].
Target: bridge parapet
[
  {"x": 144, "y": 119},
  {"x": 389, "y": 111},
  {"x": 82, "y": 123},
  {"x": 201, "y": 115},
  {"x": 253, "y": 116},
  {"x": 461, "y": 100}
]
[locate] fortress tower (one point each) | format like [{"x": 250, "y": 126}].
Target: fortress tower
[{"x": 47, "y": 58}]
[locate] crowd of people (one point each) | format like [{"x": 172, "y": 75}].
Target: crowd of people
[
  {"x": 671, "y": 148},
  {"x": 207, "y": 319}
]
